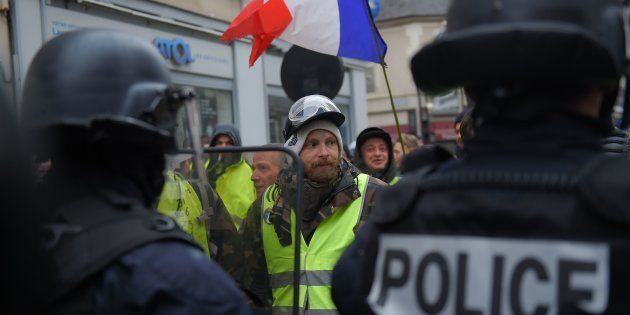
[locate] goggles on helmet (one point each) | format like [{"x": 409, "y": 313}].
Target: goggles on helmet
[{"x": 310, "y": 107}]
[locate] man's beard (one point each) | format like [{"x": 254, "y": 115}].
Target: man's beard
[{"x": 323, "y": 171}]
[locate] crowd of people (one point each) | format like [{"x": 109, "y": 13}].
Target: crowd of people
[
  {"x": 142, "y": 214},
  {"x": 333, "y": 182}
]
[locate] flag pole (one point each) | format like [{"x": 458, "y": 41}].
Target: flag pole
[
  {"x": 384, "y": 67},
  {"x": 391, "y": 102}
]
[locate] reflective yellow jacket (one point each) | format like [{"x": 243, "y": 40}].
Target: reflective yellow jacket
[
  {"x": 237, "y": 190},
  {"x": 180, "y": 202}
]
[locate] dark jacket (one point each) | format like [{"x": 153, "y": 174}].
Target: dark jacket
[
  {"x": 543, "y": 184},
  {"x": 426, "y": 155},
  {"x": 153, "y": 269},
  {"x": 389, "y": 173}
]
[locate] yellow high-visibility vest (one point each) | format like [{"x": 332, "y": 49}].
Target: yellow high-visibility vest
[
  {"x": 237, "y": 191},
  {"x": 330, "y": 239},
  {"x": 180, "y": 202}
]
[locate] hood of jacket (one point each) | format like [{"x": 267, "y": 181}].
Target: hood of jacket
[
  {"x": 389, "y": 172},
  {"x": 220, "y": 162},
  {"x": 228, "y": 130}
]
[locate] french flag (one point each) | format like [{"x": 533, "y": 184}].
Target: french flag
[{"x": 341, "y": 28}]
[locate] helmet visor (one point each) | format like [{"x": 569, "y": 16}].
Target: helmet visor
[{"x": 310, "y": 106}]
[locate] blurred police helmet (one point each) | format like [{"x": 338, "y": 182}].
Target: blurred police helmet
[{"x": 526, "y": 41}]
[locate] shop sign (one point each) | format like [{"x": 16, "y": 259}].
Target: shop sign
[
  {"x": 185, "y": 54},
  {"x": 176, "y": 50}
]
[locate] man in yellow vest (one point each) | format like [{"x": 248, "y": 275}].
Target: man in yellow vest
[
  {"x": 199, "y": 211},
  {"x": 230, "y": 175},
  {"x": 266, "y": 167},
  {"x": 336, "y": 199}
]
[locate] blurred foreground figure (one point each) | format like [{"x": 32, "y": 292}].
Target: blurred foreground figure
[
  {"x": 106, "y": 117},
  {"x": 24, "y": 269},
  {"x": 617, "y": 143},
  {"x": 535, "y": 218},
  {"x": 426, "y": 155}
]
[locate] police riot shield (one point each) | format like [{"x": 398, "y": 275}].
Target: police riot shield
[{"x": 239, "y": 205}]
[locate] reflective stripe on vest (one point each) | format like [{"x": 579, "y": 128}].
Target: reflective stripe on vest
[
  {"x": 331, "y": 237},
  {"x": 394, "y": 181}
]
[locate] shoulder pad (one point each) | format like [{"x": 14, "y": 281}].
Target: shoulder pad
[
  {"x": 393, "y": 202},
  {"x": 605, "y": 185}
]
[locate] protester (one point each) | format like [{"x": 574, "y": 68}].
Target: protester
[
  {"x": 230, "y": 175},
  {"x": 199, "y": 211},
  {"x": 337, "y": 199},
  {"x": 411, "y": 143},
  {"x": 535, "y": 205},
  {"x": 374, "y": 154},
  {"x": 106, "y": 117},
  {"x": 266, "y": 167}
]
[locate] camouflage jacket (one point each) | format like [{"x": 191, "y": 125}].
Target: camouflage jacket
[
  {"x": 345, "y": 191},
  {"x": 223, "y": 239}
]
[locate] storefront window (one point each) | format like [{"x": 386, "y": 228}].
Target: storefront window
[
  {"x": 278, "y": 109},
  {"x": 215, "y": 107}
]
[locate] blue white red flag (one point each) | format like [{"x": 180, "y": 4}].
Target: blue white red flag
[{"x": 342, "y": 28}]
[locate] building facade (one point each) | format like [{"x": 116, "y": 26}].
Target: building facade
[
  {"x": 186, "y": 33},
  {"x": 406, "y": 26}
]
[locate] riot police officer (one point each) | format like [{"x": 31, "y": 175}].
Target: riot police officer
[
  {"x": 101, "y": 105},
  {"x": 535, "y": 218}
]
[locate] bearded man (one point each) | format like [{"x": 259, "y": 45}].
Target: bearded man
[{"x": 337, "y": 199}]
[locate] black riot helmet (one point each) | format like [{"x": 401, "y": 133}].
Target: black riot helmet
[
  {"x": 101, "y": 79},
  {"x": 540, "y": 42},
  {"x": 309, "y": 108}
]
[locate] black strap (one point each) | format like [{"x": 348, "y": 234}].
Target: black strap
[{"x": 96, "y": 233}]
